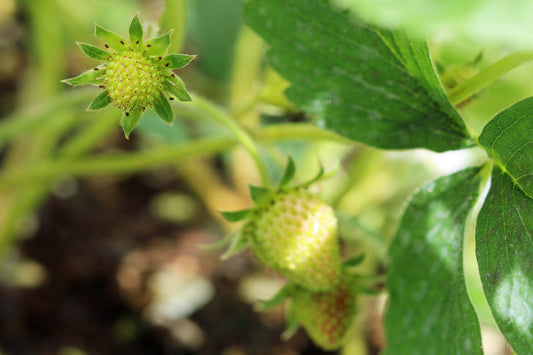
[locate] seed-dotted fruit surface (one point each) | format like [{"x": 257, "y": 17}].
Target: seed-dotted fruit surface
[
  {"x": 326, "y": 316},
  {"x": 134, "y": 80},
  {"x": 295, "y": 233}
]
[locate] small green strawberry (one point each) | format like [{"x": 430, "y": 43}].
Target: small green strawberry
[
  {"x": 293, "y": 232},
  {"x": 326, "y": 316},
  {"x": 136, "y": 74}
]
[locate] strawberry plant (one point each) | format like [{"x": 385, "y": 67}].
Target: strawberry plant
[{"x": 394, "y": 251}]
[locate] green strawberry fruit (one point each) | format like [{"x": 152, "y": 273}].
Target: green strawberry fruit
[
  {"x": 295, "y": 233},
  {"x": 326, "y": 316}
]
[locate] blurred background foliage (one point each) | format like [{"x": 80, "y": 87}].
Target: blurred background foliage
[{"x": 99, "y": 236}]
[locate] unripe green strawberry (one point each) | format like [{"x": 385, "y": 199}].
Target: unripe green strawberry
[
  {"x": 326, "y": 316},
  {"x": 295, "y": 233},
  {"x": 136, "y": 74}
]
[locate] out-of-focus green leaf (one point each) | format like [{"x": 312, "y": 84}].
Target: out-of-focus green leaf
[
  {"x": 173, "y": 18},
  {"x": 488, "y": 21},
  {"x": 504, "y": 250},
  {"x": 429, "y": 310},
  {"x": 508, "y": 138},
  {"x": 369, "y": 85}
]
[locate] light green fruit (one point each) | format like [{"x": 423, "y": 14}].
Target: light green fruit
[
  {"x": 134, "y": 80},
  {"x": 295, "y": 233},
  {"x": 327, "y": 316}
]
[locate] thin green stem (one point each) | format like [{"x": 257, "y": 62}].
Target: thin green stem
[
  {"x": 127, "y": 163},
  {"x": 240, "y": 134},
  {"x": 488, "y": 75}
]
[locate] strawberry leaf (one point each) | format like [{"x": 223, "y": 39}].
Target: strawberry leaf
[
  {"x": 258, "y": 193},
  {"x": 177, "y": 61},
  {"x": 130, "y": 120},
  {"x": 163, "y": 109}
]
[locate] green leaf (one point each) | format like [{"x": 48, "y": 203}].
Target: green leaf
[
  {"x": 100, "y": 101},
  {"x": 504, "y": 250},
  {"x": 236, "y": 216},
  {"x": 478, "y": 21},
  {"x": 177, "y": 89},
  {"x": 136, "y": 30},
  {"x": 90, "y": 77},
  {"x": 508, "y": 138},
  {"x": 429, "y": 309},
  {"x": 288, "y": 174},
  {"x": 94, "y": 52},
  {"x": 130, "y": 120},
  {"x": 163, "y": 109},
  {"x": 158, "y": 46},
  {"x": 111, "y": 39},
  {"x": 176, "y": 61},
  {"x": 258, "y": 193},
  {"x": 357, "y": 80}
]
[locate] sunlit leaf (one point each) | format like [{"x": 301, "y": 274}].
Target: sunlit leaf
[{"x": 508, "y": 138}]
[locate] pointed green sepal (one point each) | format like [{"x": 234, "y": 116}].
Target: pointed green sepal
[
  {"x": 368, "y": 291},
  {"x": 94, "y": 52},
  {"x": 236, "y": 216},
  {"x": 316, "y": 178},
  {"x": 279, "y": 297},
  {"x": 163, "y": 109},
  {"x": 158, "y": 46},
  {"x": 288, "y": 174},
  {"x": 218, "y": 244},
  {"x": 292, "y": 325},
  {"x": 354, "y": 261},
  {"x": 177, "y": 89},
  {"x": 130, "y": 120},
  {"x": 177, "y": 61},
  {"x": 111, "y": 39},
  {"x": 100, "y": 101},
  {"x": 238, "y": 243},
  {"x": 90, "y": 77},
  {"x": 136, "y": 31},
  {"x": 258, "y": 193}
]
